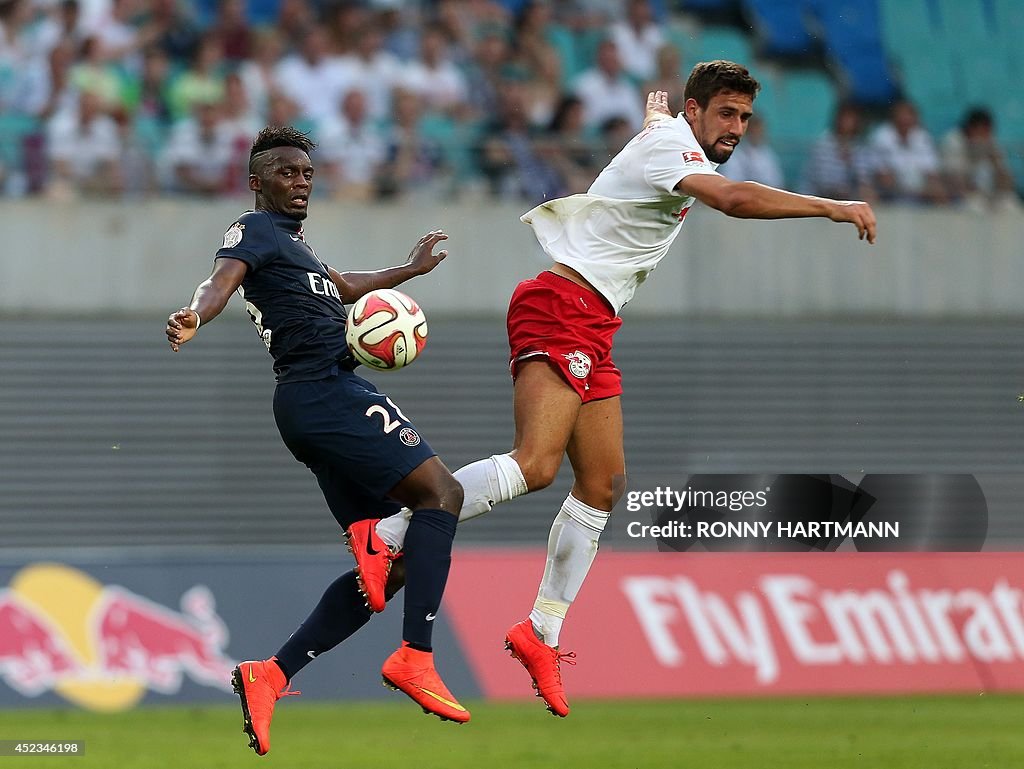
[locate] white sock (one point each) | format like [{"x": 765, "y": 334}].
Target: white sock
[
  {"x": 572, "y": 546},
  {"x": 485, "y": 482}
]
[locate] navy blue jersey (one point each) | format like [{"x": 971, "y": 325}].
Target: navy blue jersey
[{"x": 290, "y": 296}]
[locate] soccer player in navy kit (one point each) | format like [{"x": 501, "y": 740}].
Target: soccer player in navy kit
[{"x": 331, "y": 420}]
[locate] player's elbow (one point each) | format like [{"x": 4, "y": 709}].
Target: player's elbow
[{"x": 736, "y": 200}]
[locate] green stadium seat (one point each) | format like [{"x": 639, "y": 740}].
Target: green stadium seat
[
  {"x": 807, "y": 102},
  {"x": 966, "y": 24},
  {"x": 724, "y": 43},
  {"x": 908, "y": 28}
]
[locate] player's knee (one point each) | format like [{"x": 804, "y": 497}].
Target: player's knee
[
  {"x": 538, "y": 472},
  {"x": 448, "y": 495},
  {"x": 597, "y": 492}
]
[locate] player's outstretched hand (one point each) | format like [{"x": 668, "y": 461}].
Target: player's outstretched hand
[
  {"x": 857, "y": 213},
  {"x": 422, "y": 257},
  {"x": 181, "y": 326},
  {"x": 657, "y": 107}
]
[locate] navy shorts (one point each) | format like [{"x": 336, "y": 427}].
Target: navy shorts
[{"x": 356, "y": 441}]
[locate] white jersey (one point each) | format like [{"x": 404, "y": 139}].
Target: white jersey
[{"x": 616, "y": 233}]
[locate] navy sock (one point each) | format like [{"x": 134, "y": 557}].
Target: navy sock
[
  {"x": 428, "y": 556},
  {"x": 340, "y": 613}
]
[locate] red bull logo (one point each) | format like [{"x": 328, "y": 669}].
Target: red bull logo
[{"x": 102, "y": 646}]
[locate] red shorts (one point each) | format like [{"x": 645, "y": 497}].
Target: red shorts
[{"x": 571, "y": 327}]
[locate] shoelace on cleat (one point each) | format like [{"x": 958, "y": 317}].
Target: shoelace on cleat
[{"x": 568, "y": 657}]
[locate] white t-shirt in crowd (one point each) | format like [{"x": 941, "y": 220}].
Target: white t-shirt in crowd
[{"x": 616, "y": 233}]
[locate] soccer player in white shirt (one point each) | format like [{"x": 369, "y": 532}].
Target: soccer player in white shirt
[{"x": 561, "y": 323}]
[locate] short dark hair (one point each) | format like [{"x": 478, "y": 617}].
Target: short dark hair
[
  {"x": 275, "y": 136},
  {"x": 978, "y": 117},
  {"x": 710, "y": 78}
]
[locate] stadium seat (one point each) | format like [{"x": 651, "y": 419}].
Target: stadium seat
[
  {"x": 908, "y": 28},
  {"x": 967, "y": 25},
  {"x": 780, "y": 27},
  {"x": 706, "y": 5},
  {"x": 932, "y": 85},
  {"x": 806, "y": 103},
  {"x": 724, "y": 43},
  {"x": 852, "y": 33}
]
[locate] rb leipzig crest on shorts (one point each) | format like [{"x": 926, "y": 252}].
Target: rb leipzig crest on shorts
[{"x": 579, "y": 364}]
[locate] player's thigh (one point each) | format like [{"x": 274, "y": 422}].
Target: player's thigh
[
  {"x": 356, "y": 440},
  {"x": 597, "y": 455},
  {"x": 545, "y": 409}
]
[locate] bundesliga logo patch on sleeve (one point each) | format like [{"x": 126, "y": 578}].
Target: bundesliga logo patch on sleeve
[
  {"x": 233, "y": 236},
  {"x": 693, "y": 158}
]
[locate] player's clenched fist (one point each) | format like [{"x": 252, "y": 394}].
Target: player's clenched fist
[{"x": 181, "y": 326}]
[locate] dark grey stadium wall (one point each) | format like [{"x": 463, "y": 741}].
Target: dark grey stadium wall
[{"x": 108, "y": 438}]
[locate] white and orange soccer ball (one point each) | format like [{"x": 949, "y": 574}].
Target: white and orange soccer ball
[{"x": 386, "y": 330}]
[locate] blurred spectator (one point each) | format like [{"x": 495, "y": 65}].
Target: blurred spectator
[
  {"x": 668, "y": 77},
  {"x": 232, "y": 27},
  {"x": 370, "y": 68},
  {"x": 150, "y": 95},
  {"x": 352, "y": 148},
  {"x": 606, "y": 92},
  {"x": 616, "y": 133},
  {"x": 177, "y": 33},
  {"x": 754, "y": 159},
  {"x": 637, "y": 39},
  {"x": 345, "y": 22},
  {"x": 294, "y": 20},
  {"x": 237, "y": 112},
  {"x": 119, "y": 35},
  {"x": 259, "y": 73},
  {"x": 62, "y": 23},
  {"x": 281, "y": 110},
  {"x": 84, "y": 148},
  {"x": 45, "y": 83},
  {"x": 588, "y": 15},
  {"x": 412, "y": 162},
  {"x": 203, "y": 82},
  {"x": 401, "y": 35},
  {"x": 463, "y": 22},
  {"x": 486, "y": 71},
  {"x": 313, "y": 77},
  {"x": 573, "y": 155},
  {"x": 841, "y": 165},
  {"x": 434, "y": 76},
  {"x": 543, "y": 93},
  {"x": 908, "y": 165},
  {"x": 95, "y": 73},
  {"x": 538, "y": 61},
  {"x": 511, "y": 162},
  {"x": 201, "y": 152},
  {"x": 975, "y": 164}
]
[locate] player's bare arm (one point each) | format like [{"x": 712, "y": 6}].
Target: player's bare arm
[
  {"x": 750, "y": 200},
  {"x": 657, "y": 107},
  {"x": 422, "y": 259},
  {"x": 209, "y": 299}
]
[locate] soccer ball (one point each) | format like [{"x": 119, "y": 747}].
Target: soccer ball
[{"x": 386, "y": 330}]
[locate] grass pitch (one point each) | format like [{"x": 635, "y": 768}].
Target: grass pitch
[{"x": 880, "y": 733}]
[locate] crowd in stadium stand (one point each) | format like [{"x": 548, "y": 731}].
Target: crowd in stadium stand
[{"x": 405, "y": 98}]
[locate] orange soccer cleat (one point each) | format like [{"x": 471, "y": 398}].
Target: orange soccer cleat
[
  {"x": 543, "y": 663},
  {"x": 259, "y": 685},
  {"x": 373, "y": 561},
  {"x": 412, "y": 671}
]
